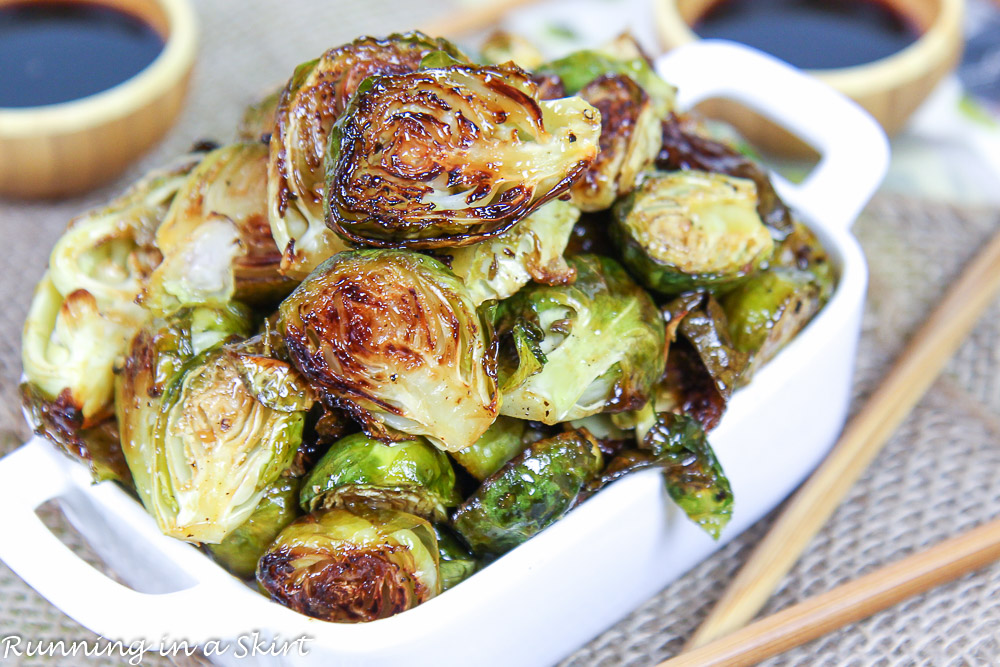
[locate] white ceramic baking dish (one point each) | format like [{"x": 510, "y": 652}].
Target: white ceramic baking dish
[{"x": 552, "y": 594}]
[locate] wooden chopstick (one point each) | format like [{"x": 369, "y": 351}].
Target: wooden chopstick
[
  {"x": 910, "y": 377},
  {"x": 849, "y": 602},
  {"x": 469, "y": 19}
]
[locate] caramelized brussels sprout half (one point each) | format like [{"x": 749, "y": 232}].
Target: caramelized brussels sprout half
[
  {"x": 258, "y": 119},
  {"x": 574, "y": 350},
  {"x": 412, "y": 476},
  {"x": 531, "y": 250},
  {"x": 450, "y": 157},
  {"x": 630, "y": 140},
  {"x": 393, "y": 337},
  {"x": 242, "y": 548},
  {"x": 501, "y": 442},
  {"x": 683, "y": 146},
  {"x": 531, "y": 492},
  {"x": 352, "y": 566},
  {"x": 216, "y": 240},
  {"x": 457, "y": 562},
  {"x": 688, "y": 229},
  {"x": 314, "y": 98},
  {"x": 581, "y": 67},
  {"x": 503, "y": 47}
]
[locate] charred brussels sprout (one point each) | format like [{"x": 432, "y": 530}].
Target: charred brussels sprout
[
  {"x": 571, "y": 351},
  {"x": 449, "y": 157},
  {"x": 501, "y": 442},
  {"x": 314, "y": 98},
  {"x": 581, "y": 67},
  {"x": 215, "y": 239},
  {"x": 531, "y": 250},
  {"x": 412, "y": 476},
  {"x": 457, "y": 563},
  {"x": 531, "y": 492},
  {"x": 242, "y": 548},
  {"x": 683, "y": 230},
  {"x": 630, "y": 140},
  {"x": 352, "y": 566},
  {"x": 393, "y": 337}
]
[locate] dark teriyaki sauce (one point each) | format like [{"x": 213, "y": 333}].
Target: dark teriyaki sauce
[
  {"x": 53, "y": 52},
  {"x": 812, "y": 34}
]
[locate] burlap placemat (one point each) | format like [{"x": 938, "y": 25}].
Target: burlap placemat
[{"x": 938, "y": 476}]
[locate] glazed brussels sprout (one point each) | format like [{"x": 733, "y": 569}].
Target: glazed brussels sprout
[
  {"x": 503, "y": 47},
  {"x": 531, "y": 492},
  {"x": 581, "y": 67},
  {"x": 352, "y": 565},
  {"x": 571, "y": 351},
  {"x": 450, "y": 157},
  {"x": 457, "y": 562},
  {"x": 688, "y": 229},
  {"x": 242, "y": 548},
  {"x": 412, "y": 476},
  {"x": 314, "y": 98},
  {"x": 630, "y": 140},
  {"x": 803, "y": 251},
  {"x": 393, "y": 337},
  {"x": 216, "y": 240},
  {"x": 685, "y": 147},
  {"x": 501, "y": 442},
  {"x": 531, "y": 250}
]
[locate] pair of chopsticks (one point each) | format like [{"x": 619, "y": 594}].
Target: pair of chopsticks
[{"x": 724, "y": 638}]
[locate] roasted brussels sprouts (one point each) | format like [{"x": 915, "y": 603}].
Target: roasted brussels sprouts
[
  {"x": 501, "y": 442},
  {"x": 258, "y": 119},
  {"x": 531, "y": 492},
  {"x": 630, "y": 140},
  {"x": 571, "y": 351},
  {"x": 242, "y": 548},
  {"x": 393, "y": 337},
  {"x": 683, "y": 230},
  {"x": 449, "y": 157},
  {"x": 457, "y": 563},
  {"x": 216, "y": 240},
  {"x": 502, "y": 47},
  {"x": 803, "y": 251},
  {"x": 531, "y": 250},
  {"x": 412, "y": 476},
  {"x": 315, "y": 97},
  {"x": 581, "y": 67},
  {"x": 684, "y": 147},
  {"x": 352, "y": 565}
]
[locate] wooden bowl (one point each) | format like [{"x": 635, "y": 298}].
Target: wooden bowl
[
  {"x": 890, "y": 89},
  {"x": 68, "y": 148}
]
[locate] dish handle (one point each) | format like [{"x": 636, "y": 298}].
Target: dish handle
[
  {"x": 88, "y": 596},
  {"x": 853, "y": 148}
]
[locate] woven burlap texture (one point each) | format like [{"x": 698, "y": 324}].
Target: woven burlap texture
[{"x": 938, "y": 476}]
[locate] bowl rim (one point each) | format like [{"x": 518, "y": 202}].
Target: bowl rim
[
  {"x": 934, "y": 45},
  {"x": 168, "y": 69}
]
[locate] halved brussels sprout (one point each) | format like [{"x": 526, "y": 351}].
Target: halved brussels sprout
[
  {"x": 685, "y": 146},
  {"x": 314, "y": 98},
  {"x": 240, "y": 551},
  {"x": 449, "y": 157},
  {"x": 687, "y": 229},
  {"x": 574, "y": 350},
  {"x": 393, "y": 337},
  {"x": 581, "y": 67},
  {"x": 531, "y": 492},
  {"x": 630, "y": 140},
  {"x": 110, "y": 252},
  {"x": 353, "y": 565},
  {"x": 457, "y": 562},
  {"x": 258, "y": 119},
  {"x": 215, "y": 239},
  {"x": 501, "y": 442},
  {"x": 767, "y": 311},
  {"x": 531, "y": 250},
  {"x": 412, "y": 476},
  {"x": 503, "y": 47}
]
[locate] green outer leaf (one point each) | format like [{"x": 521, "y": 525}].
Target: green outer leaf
[
  {"x": 707, "y": 329},
  {"x": 531, "y": 492},
  {"x": 457, "y": 562},
  {"x": 501, "y": 442}
]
